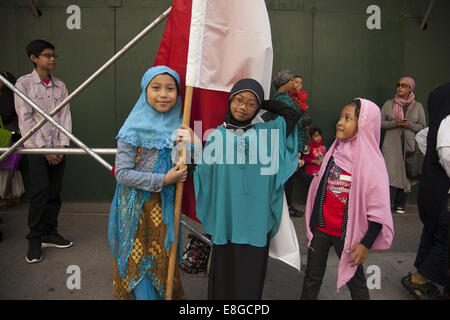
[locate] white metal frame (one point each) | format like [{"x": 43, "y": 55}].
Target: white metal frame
[{"x": 94, "y": 153}]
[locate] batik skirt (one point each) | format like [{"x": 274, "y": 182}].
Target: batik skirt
[{"x": 149, "y": 260}]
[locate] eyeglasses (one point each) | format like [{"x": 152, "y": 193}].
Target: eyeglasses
[
  {"x": 403, "y": 85},
  {"x": 252, "y": 105},
  {"x": 48, "y": 55}
]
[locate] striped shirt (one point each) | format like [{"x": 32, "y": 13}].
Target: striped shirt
[{"x": 47, "y": 98}]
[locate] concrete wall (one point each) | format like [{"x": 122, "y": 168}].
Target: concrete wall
[{"x": 325, "y": 41}]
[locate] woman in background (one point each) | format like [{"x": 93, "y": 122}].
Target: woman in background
[{"x": 401, "y": 118}]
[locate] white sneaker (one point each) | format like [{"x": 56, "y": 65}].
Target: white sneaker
[{"x": 400, "y": 210}]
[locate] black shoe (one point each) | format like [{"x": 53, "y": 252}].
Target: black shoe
[
  {"x": 55, "y": 241},
  {"x": 34, "y": 253},
  {"x": 426, "y": 291}
]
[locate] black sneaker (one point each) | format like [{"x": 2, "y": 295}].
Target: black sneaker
[
  {"x": 55, "y": 241},
  {"x": 426, "y": 291},
  {"x": 34, "y": 253}
]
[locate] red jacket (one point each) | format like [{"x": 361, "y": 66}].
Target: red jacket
[
  {"x": 317, "y": 151},
  {"x": 300, "y": 98}
]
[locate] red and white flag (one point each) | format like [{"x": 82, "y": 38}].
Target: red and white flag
[
  {"x": 212, "y": 44},
  {"x": 229, "y": 40}
]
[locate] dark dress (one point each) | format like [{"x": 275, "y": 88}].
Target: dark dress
[{"x": 432, "y": 197}]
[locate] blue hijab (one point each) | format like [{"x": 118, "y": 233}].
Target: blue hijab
[
  {"x": 160, "y": 134},
  {"x": 148, "y": 128}
]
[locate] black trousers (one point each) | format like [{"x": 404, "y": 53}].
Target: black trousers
[
  {"x": 399, "y": 197},
  {"x": 45, "y": 200},
  {"x": 317, "y": 264},
  {"x": 432, "y": 256},
  {"x": 288, "y": 187},
  {"x": 289, "y": 184}
]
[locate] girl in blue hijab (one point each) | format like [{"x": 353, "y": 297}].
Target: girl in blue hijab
[{"x": 141, "y": 228}]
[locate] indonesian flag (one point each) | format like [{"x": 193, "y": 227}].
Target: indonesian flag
[{"x": 212, "y": 44}]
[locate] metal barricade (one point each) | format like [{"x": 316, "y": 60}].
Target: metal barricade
[
  {"x": 94, "y": 152},
  {"x": 47, "y": 117}
]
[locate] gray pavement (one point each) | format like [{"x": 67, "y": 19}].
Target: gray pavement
[{"x": 86, "y": 224}]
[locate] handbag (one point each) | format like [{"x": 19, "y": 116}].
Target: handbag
[
  {"x": 5, "y": 136},
  {"x": 196, "y": 255},
  {"x": 413, "y": 164}
]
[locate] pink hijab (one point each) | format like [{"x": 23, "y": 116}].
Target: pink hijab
[
  {"x": 369, "y": 195},
  {"x": 399, "y": 103}
]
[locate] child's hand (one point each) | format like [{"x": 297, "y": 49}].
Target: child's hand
[
  {"x": 359, "y": 255},
  {"x": 300, "y": 161},
  {"x": 186, "y": 135},
  {"x": 175, "y": 175}
]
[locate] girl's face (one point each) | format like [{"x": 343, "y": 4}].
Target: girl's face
[
  {"x": 162, "y": 93},
  {"x": 347, "y": 125},
  {"x": 244, "y": 105},
  {"x": 316, "y": 137},
  {"x": 298, "y": 84}
]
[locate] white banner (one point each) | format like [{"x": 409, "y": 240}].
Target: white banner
[
  {"x": 284, "y": 246},
  {"x": 228, "y": 41}
]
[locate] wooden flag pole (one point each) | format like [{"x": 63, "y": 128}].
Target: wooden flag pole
[{"x": 178, "y": 199}]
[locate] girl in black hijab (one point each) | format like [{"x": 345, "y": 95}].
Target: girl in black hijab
[
  {"x": 277, "y": 107},
  {"x": 228, "y": 195}
]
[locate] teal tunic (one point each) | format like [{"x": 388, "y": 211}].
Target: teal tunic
[{"x": 242, "y": 201}]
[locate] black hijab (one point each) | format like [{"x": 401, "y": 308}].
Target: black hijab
[
  {"x": 434, "y": 182},
  {"x": 240, "y": 86}
]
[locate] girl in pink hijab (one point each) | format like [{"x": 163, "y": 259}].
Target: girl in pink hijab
[{"x": 348, "y": 205}]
